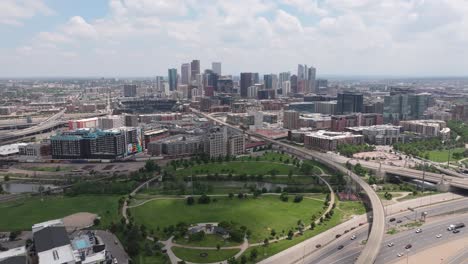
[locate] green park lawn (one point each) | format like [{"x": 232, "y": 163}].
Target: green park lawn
[
  {"x": 342, "y": 209},
  {"x": 238, "y": 167},
  {"x": 442, "y": 155},
  {"x": 258, "y": 215},
  {"x": 208, "y": 241},
  {"x": 22, "y": 214},
  {"x": 160, "y": 259},
  {"x": 193, "y": 255}
]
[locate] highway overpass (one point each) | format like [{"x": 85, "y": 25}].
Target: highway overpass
[{"x": 372, "y": 248}]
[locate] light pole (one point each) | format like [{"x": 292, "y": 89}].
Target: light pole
[{"x": 407, "y": 256}]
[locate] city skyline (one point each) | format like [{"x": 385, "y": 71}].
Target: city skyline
[{"x": 123, "y": 38}]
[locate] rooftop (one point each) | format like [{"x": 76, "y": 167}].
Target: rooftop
[{"x": 324, "y": 134}]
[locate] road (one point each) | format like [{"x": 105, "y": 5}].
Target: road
[
  {"x": 455, "y": 181},
  {"x": 116, "y": 250},
  {"x": 330, "y": 254},
  {"x": 371, "y": 250}
]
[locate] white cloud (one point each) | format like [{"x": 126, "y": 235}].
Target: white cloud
[
  {"x": 14, "y": 12},
  {"x": 337, "y": 36}
]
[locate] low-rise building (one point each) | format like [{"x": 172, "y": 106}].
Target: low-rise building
[
  {"x": 430, "y": 128},
  {"x": 54, "y": 246},
  {"x": 329, "y": 141},
  {"x": 380, "y": 134}
]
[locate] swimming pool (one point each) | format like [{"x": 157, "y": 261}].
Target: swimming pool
[{"x": 81, "y": 243}]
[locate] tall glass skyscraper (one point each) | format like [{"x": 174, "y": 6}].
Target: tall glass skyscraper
[{"x": 172, "y": 78}]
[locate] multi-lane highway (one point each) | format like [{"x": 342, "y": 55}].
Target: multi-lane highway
[
  {"x": 371, "y": 250},
  {"x": 330, "y": 254}
]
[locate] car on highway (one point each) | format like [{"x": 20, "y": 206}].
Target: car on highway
[
  {"x": 399, "y": 221},
  {"x": 419, "y": 230},
  {"x": 361, "y": 224},
  {"x": 401, "y": 254},
  {"x": 353, "y": 237},
  {"x": 455, "y": 226},
  {"x": 337, "y": 236},
  {"x": 346, "y": 231},
  {"x": 408, "y": 246},
  {"x": 390, "y": 244},
  {"x": 340, "y": 247},
  {"x": 318, "y": 246},
  {"x": 439, "y": 236},
  {"x": 456, "y": 231},
  {"x": 392, "y": 219},
  {"x": 352, "y": 228}
]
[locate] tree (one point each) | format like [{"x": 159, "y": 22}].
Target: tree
[
  {"x": 298, "y": 198},
  {"x": 284, "y": 197},
  {"x": 190, "y": 200},
  {"x": 6, "y": 178},
  {"x": 265, "y": 242},
  {"x": 312, "y": 225},
  {"x": 230, "y": 195},
  {"x": 204, "y": 199},
  {"x": 273, "y": 233},
  {"x": 243, "y": 259},
  {"x": 96, "y": 221},
  {"x": 290, "y": 234},
  {"x": 240, "y": 195},
  {"x": 151, "y": 166},
  {"x": 253, "y": 254},
  {"x": 218, "y": 247}
]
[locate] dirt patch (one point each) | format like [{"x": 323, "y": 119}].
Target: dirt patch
[{"x": 79, "y": 220}]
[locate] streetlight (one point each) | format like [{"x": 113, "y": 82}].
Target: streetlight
[{"x": 407, "y": 255}]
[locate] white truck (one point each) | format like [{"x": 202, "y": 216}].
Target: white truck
[{"x": 455, "y": 226}]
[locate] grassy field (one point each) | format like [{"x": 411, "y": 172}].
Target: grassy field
[
  {"x": 258, "y": 215},
  {"x": 193, "y": 255},
  {"x": 22, "y": 214},
  {"x": 442, "y": 155},
  {"x": 238, "y": 167},
  {"x": 343, "y": 209},
  {"x": 208, "y": 241},
  {"x": 350, "y": 208},
  {"x": 162, "y": 259}
]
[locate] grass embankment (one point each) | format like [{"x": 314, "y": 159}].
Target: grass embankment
[
  {"x": 342, "y": 211},
  {"x": 212, "y": 256},
  {"x": 260, "y": 215}
]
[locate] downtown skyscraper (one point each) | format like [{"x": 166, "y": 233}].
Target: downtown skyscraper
[{"x": 172, "y": 79}]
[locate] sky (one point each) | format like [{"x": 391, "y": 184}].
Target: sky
[{"x": 123, "y": 38}]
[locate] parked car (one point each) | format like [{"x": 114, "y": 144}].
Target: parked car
[
  {"x": 392, "y": 219},
  {"x": 318, "y": 246},
  {"x": 408, "y": 246},
  {"x": 340, "y": 247}
]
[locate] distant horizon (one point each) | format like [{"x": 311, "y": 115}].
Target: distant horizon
[{"x": 319, "y": 76}]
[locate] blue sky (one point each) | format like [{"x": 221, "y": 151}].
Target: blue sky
[{"x": 145, "y": 37}]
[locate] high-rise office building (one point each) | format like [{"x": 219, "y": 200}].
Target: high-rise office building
[
  {"x": 320, "y": 85},
  {"x": 283, "y": 76},
  {"x": 286, "y": 88},
  {"x": 216, "y": 67},
  {"x": 255, "y": 78},
  {"x": 350, "y": 103},
  {"x": 130, "y": 90},
  {"x": 312, "y": 77},
  {"x": 300, "y": 72},
  {"x": 185, "y": 73},
  {"x": 194, "y": 68},
  {"x": 172, "y": 77},
  {"x": 225, "y": 85},
  {"x": 159, "y": 83},
  {"x": 246, "y": 80},
  {"x": 404, "y": 104},
  {"x": 293, "y": 81}
]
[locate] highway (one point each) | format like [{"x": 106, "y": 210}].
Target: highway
[
  {"x": 455, "y": 181},
  {"x": 330, "y": 253},
  {"x": 371, "y": 250}
]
